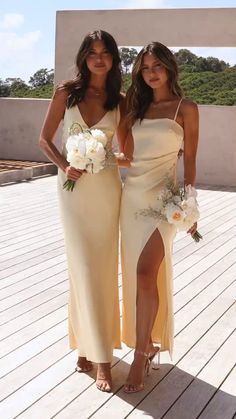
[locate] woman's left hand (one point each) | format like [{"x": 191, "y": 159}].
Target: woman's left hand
[{"x": 193, "y": 229}]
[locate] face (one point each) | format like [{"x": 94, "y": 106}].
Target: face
[
  {"x": 99, "y": 59},
  {"x": 154, "y": 73}
]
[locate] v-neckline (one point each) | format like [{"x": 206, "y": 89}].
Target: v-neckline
[{"x": 94, "y": 125}]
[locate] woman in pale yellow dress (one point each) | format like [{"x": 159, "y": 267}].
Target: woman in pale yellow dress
[
  {"x": 90, "y": 213},
  {"x": 160, "y": 120}
]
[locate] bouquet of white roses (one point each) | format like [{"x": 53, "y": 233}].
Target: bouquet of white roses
[
  {"x": 177, "y": 206},
  {"x": 86, "y": 150}
]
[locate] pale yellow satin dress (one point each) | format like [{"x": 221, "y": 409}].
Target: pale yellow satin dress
[
  {"x": 90, "y": 217},
  {"x": 156, "y": 146}
]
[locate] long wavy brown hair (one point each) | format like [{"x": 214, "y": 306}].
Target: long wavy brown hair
[
  {"x": 77, "y": 87},
  {"x": 140, "y": 95}
]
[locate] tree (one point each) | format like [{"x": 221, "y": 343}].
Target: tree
[
  {"x": 216, "y": 65},
  {"x": 4, "y": 89},
  {"x": 185, "y": 57},
  {"x": 42, "y": 77},
  {"x": 128, "y": 56}
]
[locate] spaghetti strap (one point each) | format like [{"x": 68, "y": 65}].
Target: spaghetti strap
[{"x": 177, "y": 110}]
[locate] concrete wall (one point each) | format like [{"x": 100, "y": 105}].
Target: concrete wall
[
  {"x": 216, "y": 159},
  {"x": 20, "y": 124},
  {"x": 21, "y": 121},
  {"x": 213, "y": 27}
]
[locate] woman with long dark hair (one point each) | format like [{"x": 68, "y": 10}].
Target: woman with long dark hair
[
  {"x": 90, "y": 213},
  {"x": 159, "y": 119}
]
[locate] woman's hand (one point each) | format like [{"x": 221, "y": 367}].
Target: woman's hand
[
  {"x": 193, "y": 229},
  {"x": 72, "y": 173}
]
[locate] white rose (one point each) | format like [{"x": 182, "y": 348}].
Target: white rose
[
  {"x": 174, "y": 214},
  {"x": 99, "y": 136}
]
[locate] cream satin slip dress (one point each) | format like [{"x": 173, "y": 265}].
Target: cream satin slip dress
[
  {"x": 156, "y": 146},
  {"x": 90, "y": 217}
]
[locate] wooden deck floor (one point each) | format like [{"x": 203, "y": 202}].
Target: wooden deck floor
[{"x": 36, "y": 364}]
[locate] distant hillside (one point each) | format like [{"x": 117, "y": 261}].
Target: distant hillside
[{"x": 207, "y": 80}]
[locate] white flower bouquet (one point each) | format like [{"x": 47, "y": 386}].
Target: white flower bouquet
[
  {"x": 86, "y": 150},
  {"x": 177, "y": 206}
]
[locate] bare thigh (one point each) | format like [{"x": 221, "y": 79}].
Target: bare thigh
[{"x": 150, "y": 260}]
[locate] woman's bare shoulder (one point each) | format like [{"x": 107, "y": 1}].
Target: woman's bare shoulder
[
  {"x": 61, "y": 93},
  {"x": 188, "y": 107}
]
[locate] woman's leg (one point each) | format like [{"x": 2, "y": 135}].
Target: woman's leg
[
  {"x": 104, "y": 380},
  {"x": 83, "y": 365},
  {"x": 146, "y": 305}
]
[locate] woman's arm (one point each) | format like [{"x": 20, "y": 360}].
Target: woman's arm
[
  {"x": 124, "y": 136},
  {"x": 191, "y": 130},
  {"x": 52, "y": 120}
]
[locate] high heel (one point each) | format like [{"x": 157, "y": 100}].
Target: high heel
[
  {"x": 135, "y": 388},
  {"x": 153, "y": 360}
]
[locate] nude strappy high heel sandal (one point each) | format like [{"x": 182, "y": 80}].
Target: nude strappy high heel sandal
[{"x": 132, "y": 388}]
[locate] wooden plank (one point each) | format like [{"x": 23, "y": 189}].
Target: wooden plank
[
  {"x": 188, "y": 293},
  {"x": 203, "y": 322},
  {"x": 30, "y": 369},
  {"x": 37, "y": 225},
  {"x": 32, "y": 331},
  {"x": 22, "y": 266},
  {"x": 16, "y": 242},
  {"x": 32, "y": 348},
  {"x": 19, "y": 286},
  {"x": 20, "y": 228},
  {"x": 39, "y": 269},
  {"x": 31, "y": 255},
  {"x": 29, "y": 251},
  {"x": 35, "y": 210},
  {"x": 35, "y": 289},
  {"x": 202, "y": 388},
  {"x": 202, "y": 266},
  {"x": 203, "y": 251},
  {"x": 30, "y": 243},
  {"x": 20, "y": 400},
  {"x": 35, "y": 301},
  {"x": 191, "y": 310},
  {"x": 223, "y": 404},
  {"x": 24, "y": 220},
  {"x": 192, "y": 247},
  {"x": 33, "y": 315}
]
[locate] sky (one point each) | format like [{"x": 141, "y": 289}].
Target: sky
[{"x": 27, "y": 30}]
